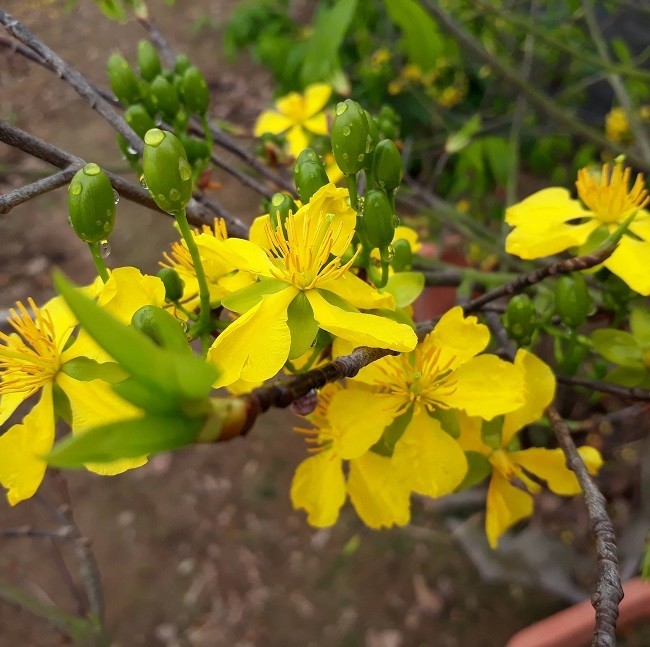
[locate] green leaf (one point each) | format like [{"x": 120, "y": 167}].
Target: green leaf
[
  {"x": 491, "y": 432},
  {"x": 627, "y": 376},
  {"x": 645, "y": 565},
  {"x": 618, "y": 347},
  {"x": 85, "y": 369},
  {"x": 406, "y": 287},
  {"x": 178, "y": 375},
  {"x": 461, "y": 138},
  {"x": 498, "y": 158},
  {"x": 303, "y": 326},
  {"x": 245, "y": 298},
  {"x": 321, "y": 60},
  {"x": 143, "y": 397},
  {"x": 640, "y": 326},
  {"x": 113, "y": 9},
  {"x": 478, "y": 467},
  {"x": 423, "y": 41},
  {"x": 125, "y": 439}
]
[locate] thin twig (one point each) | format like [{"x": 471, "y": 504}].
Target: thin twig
[
  {"x": 243, "y": 178},
  {"x": 24, "y": 193},
  {"x": 65, "y": 532},
  {"x": 626, "y": 392},
  {"x": 609, "y": 592},
  {"x": 156, "y": 36}
]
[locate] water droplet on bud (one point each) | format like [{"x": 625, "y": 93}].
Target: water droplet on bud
[
  {"x": 104, "y": 249},
  {"x": 116, "y": 197},
  {"x": 396, "y": 221},
  {"x": 174, "y": 194},
  {"x": 184, "y": 169},
  {"x": 341, "y": 108},
  {"x": 346, "y": 131},
  {"x": 390, "y": 253},
  {"x": 143, "y": 182},
  {"x": 75, "y": 188}
]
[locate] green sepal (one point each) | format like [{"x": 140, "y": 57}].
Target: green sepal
[
  {"x": 350, "y": 137},
  {"x": 448, "y": 420},
  {"x": 618, "y": 347},
  {"x": 492, "y": 431},
  {"x": 387, "y": 167},
  {"x": 406, "y": 287},
  {"x": 161, "y": 327},
  {"x": 123, "y": 80},
  {"x": 85, "y": 369},
  {"x": 61, "y": 403},
  {"x": 309, "y": 174},
  {"x": 303, "y": 326},
  {"x": 402, "y": 255},
  {"x": 281, "y": 206},
  {"x": 125, "y": 439},
  {"x": 386, "y": 444},
  {"x": 398, "y": 316},
  {"x": 572, "y": 300},
  {"x": 247, "y": 297},
  {"x": 165, "y": 97},
  {"x": 138, "y": 117},
  {"x": 148, "y": 61},
  {"x": 91, "y": 204},
  {"x": 478, "y": 467},
  {"x": 174, "y": 284},
  {"x": 520, "y": 318},
  {"x": 195, "y": 92}
]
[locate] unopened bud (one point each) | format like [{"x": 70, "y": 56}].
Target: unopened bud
[{"x": 91, "y": 204}]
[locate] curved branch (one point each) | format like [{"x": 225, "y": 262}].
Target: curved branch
[
  {"x": 24, "y": 193},
  {"x": 627, "y": 393}
]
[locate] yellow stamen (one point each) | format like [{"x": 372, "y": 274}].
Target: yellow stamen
[
  {"x": 608, "y": 196},
  {"x": 29, "y": 358}
]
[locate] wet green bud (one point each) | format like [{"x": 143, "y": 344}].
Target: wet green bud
[
  {"x": 173, "y": 283},
  {"x": 350, "y": 137},
  {"x": 387, "y": 166},
  {"x": 309, "y": 174},
  {"x": 373, "y": 133},
  {"x": 520, "y": 319},
  {"x": 91, "y": 204},
  {"x": 161, "y": 327},
  {"x": 146, "y": 99},
  {"x": 388, "y": 123},
  {"x": 167, "y": 173},
  {"x": 138, "y": 117},
  {"x": 194, "y": 91},
  {"x": 281, "y": 205},
  {"x": 165, "y": 98},
  {"x": 376, "y": 228},
  {"x": 123, "y": 80},
  {"x": 402, "y": 256},
  {"x": 182, "y": 121},
  {"x": 196, "y": 149},
  {"x": 182, "y": 63},
  {"x": 129, "y": 153},
  {"x": 148, "y": 61},
  {"x": 572, "y": 300}
]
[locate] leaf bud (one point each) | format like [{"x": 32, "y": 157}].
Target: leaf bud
[
  {"x": 402, "y": 256},
  {"x": 572, "y": 300},
  {"x": 138, "y": 117},
  {"x": 281, "y": 205},
  {"x": 182, "y": 63},
  {"x": 174, "y": 284},
  {"x": 194, "y": 91},
  {"x": 148, "y": 61},
  {"x": 161, "y": 327},
  {"x": 123, "y": 80},
  {"x": 376, "y": 228},
  {"x": 91, "y": 204},
  {"x": 387, "y": 166},
  {"x": 520, "y": 319},
  {"x": 350, "y": 137},
  {"x": 309, "y": 174},
  {"x": 165, "y": 98},
  {"x": 167, "y": 173}
]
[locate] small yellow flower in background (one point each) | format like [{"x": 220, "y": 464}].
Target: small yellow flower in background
[
  {"x": 550, "y": 221},
  {"x": 298, "y": 116},
  {"x": 411, "y": 72},
  {"x": 617, "y": 127},
  {"x": 380, "y": 57},
  {"x": 33, "y": 359},
  {"x": 347, "y": 422},
  {"x": 509, "y": 497}
]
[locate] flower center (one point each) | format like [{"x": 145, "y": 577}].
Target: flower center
[
  {"x": 419, "y": 378},
  {"x": 303, "y": 256},
  {"x": 29, "y": 357},
  {"x": 608, "y": 196}
]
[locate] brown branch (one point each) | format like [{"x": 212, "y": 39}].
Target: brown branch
[
  {"x": 244, "y": 179},
  {"x": 608, "y": 592},
  {"x": 628, "y": 393},
  {"x": 24, "y": 193},
  {"x": 65, "y": 532},
  {"x": 157, "y": 38}
]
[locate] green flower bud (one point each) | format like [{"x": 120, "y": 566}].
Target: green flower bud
[
  {"x": 138, "y": 117},
  {"x": 167, "y": 173},
  {"x": 387, "y": 165},
  {"x": 572, "y": 300},
  {"x": 520, "y": 319},
  {"x": 173, "y": 283},
  {"x": 123, "y": 80},
  {"x": 402, "y": 255},
  {"x": 161, "y": 327},
  {"x": 196, "y": 149},
  {"x": 165, "y": 98},
  {"x": 350, "y": 137},
  {"x": 182, "y": 121},
  {"x": 194, "y": 91},
  {"x": 373, "y": 133},
  {"x": 376, "y": 228},
  {"x": 281, "y": 205},
  {"x": 309, "y": 174},
  {"x": 129, "y": 153},
  {"x": 91, "y": 204},
  {"x": 388, "y": 122},
  {"x": 148, "y": 61},
  {"x": 146, "y": 98},
  {"x": 182, "y": 63}
]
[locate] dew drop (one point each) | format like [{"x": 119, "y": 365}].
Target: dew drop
[
  {"x": 390, "y": 253},
  {"x": 161, "y": 199},
  {"x": 381, "y": 183},
  {"x": 155, "y": 136},
  {"x": 341, "y": 108},
  {"x": 396, "y": 221},
  {"x": 116, "y": 197},
  {"x": 345, "y": 156},
  {"x": 361, "y": 156},
  {"x": 91, "y": 169},
  {"x": 98, "y": 223},
  {"x": 184, "y": 169},
  {"x": 131, "y": 151},
  {"x": 277, "y": 199},
  {"x": 107, "y": 227},
  {"x": 104, "y": 249},
  {"x": 347, "y": 131},
  {"x": 174, "y": 195},
  {"x": 75, "y": 188},
  {"x": 305, "y": 405},
  {"x": 184, "y": 326},
  {"x": 143, "y": 182}
]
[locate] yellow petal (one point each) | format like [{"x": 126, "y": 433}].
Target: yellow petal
[
  {"x": 505, "y": 506},
  {"x": 358, "y": 293},
  {"x": 271, "y": 122},
  {"x": 631, "y": 262},
  {"x": 458, "y": 338},
  {"x": 127, "y": 290},
  {"x": 641, "y": 225},
  {"x": 239, "y": 254},
  {"x": 360, "y": 328},
  {"x": 257, "y": 231},
  {"x": 402, "y": 232},
  {"x": 317, "y": 124},
  {"x": 470, "y": 438},
  {"x": 380, "y": 500},
  {"x": 318, "y": 487},
  {"x": 539, "y": 389},
  {"x": 62, "y": 319},
  {"x": 21, "y": 448},
  {"x": 9, "y": 403},
  {"x": 316, "y": 97},
  {"x": 428, "y": 460},
  {"x": 297, "y": 139},
  {"x": 255, "y": 346},
  {"x": 486, "y": 386},
  {"x": 292, "y": 106},
  {"x": 546, "y": 207}
]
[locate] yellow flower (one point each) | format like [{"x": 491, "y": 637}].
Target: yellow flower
[
  {"x": 298, "y": 116},
  {"x": 380, "y": 57},
  {"x": 38, "y": 357},
  {"x": 411, "y": 72},
  {"x": 617, "y": 127},
  {"x": 509, "y": 497},
  {"x": 444, "y": 372},
  {"x": 549, "y": 222},
  {"x": 347, "y": 422},
  {"x": 304, "y": 285}
]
